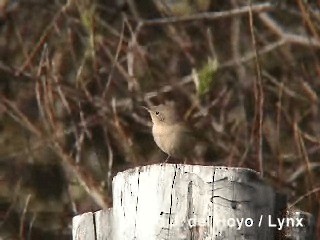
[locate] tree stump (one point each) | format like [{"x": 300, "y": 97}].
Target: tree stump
[{"x": 176, "y": 201}]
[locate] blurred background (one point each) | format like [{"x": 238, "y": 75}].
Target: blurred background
[{"x": 74, "y": 75}]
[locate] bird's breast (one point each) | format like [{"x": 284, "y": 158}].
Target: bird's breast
[{"x": 166, "y": 137}]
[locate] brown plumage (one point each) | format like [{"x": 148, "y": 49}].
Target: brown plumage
[{"x": 172, "y": 135}]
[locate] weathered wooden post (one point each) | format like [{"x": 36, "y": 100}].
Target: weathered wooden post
[{"x": 169, "y": 201}]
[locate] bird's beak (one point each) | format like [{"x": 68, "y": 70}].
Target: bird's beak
[{"x": 146, "y": 108}]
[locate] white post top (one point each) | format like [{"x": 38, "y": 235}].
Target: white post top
[
  {"x": 173, "y": 202},
  {"x": 170, "y": 201}
]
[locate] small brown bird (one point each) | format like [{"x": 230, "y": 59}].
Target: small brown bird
[{"x": 172, "y": 135}]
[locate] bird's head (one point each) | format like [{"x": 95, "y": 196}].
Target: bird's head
[{"x": 164, "y": 113}]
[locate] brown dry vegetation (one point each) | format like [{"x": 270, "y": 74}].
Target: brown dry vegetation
[{"x": 74, "y": 75}]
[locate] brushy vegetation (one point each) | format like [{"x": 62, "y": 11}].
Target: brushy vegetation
[{"x": 74, "y": 75}]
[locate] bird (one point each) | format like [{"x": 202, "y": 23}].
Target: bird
[{"x": 172, "y": 135}]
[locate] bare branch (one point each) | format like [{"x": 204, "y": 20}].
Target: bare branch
[{"x": 209, "y": 15}]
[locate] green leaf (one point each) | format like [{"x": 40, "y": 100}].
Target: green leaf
[{"x": 205, "y": 77}]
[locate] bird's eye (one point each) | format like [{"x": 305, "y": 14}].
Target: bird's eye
[{"x": 157, "y": 113}]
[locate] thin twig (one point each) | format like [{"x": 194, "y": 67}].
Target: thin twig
[
  {"x": 42, "y": 39},
  {"x": 315, "y": 190},
  {"x": 23, "y": 216},
  {"x": 306, "y": 17},
  {"x": 303, "y": 153},
  {"x": 85, "y": 179},
  {"x": 110, "y": 159},
  {"x": 259, "y": 98},
  {"x": 285, "y": 36},
  {"x": 114, "y": 60},
  {"x": 251, "y": 55},
  {"x": 19, "y": 117},
  {"x": 209, "y": 15}
]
